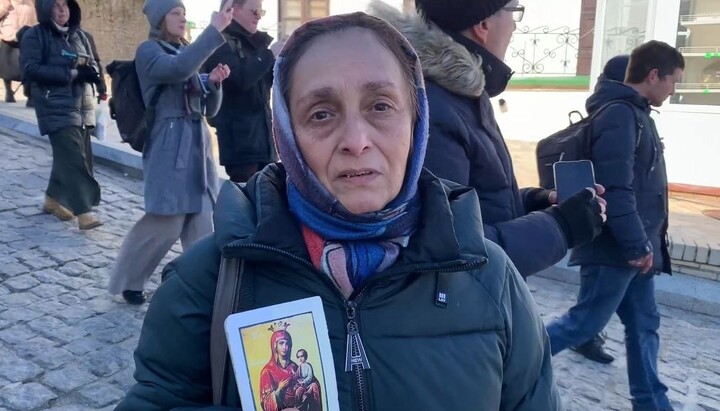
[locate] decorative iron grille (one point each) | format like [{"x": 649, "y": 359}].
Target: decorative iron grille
[{"x": 544, "y": 50}]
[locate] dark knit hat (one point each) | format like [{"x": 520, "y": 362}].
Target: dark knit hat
[
  {"x": 457, "y": 15},
  {"x": 616, "y": 68}
]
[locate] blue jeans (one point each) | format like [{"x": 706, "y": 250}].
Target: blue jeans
[{"x": 605, "y": 290}]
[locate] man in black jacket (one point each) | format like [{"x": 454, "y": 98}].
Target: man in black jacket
[
  {"x": 462, "y": 44},
  {"x": 618, "y": 267},
  {"x": 243, "y": 123}
]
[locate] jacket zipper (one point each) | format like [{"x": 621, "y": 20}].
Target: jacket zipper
[{"x": 356, "y": 361}]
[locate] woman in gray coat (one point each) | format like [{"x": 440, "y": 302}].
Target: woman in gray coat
[{"x": 179, "y": 170}]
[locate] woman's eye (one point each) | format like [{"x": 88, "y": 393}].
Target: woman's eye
[
  {"x": 381, "y": 107},
  {"x": 320, "y": 115}
]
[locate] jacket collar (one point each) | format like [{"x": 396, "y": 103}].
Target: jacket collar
[
  {"x": 259, "y": 39},
  {"x": 607, "y": 91},
  {"x": 497, "y": 73},
  {"x": 450, "y": 228}
]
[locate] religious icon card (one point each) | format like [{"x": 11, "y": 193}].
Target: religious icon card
[{"x": 282, "y": 359}]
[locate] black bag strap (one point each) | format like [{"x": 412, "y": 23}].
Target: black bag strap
[
  {"x": 639, "y": 126},
  {"x": 227, "y": 293},
  {"x": 44, "y": 37},
  {"x": 570, "y": 117},
  {"x": 156, "y": 96},
  {"x": 235, "y": 44}
]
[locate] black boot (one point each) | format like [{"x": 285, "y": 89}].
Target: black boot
[
  {"x": 9, "y": 93},
  {"x": 28, "y": 94},
  {"x": 134, "y": 297},
  {"x": 593, "y": 350}
]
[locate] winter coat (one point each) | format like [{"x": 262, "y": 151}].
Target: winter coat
[
  {"x": 47, "y": 57},
  {"x": 22, "y": 14},
  {"x": 178, "y": 166},
  {"x": 466, "y": 145},
  {"x": 243, "y": 123},
  {"x": 486, "y": 350},
  {"x": 628, "y": 158}
]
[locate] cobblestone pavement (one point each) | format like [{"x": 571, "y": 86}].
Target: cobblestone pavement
[
  {"x": 66, "y": 345},
  {"x": 689, "y": 358}
]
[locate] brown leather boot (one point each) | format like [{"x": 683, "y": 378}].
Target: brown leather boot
[
  {"x": 52, "y": 206},
  {"x": 88, "y": 221}
]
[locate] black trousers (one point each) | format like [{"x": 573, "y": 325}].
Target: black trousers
[{"x": 72, "y": 182}]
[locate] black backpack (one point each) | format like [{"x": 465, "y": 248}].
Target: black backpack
[
  {"x": 571, "y": 143},
  {"x": 127, "y": 108}
]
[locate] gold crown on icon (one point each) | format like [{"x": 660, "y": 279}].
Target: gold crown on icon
[{"x": 279, "y": 326}]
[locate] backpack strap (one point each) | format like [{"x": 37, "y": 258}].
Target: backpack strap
[
  {"x": 639, "y": 126},
  {"x": 226, "y": 298},
  {"x": 156, "y": 96},
  {"x": 44, "y": 37},
  {"x": 235, "y": 44}
]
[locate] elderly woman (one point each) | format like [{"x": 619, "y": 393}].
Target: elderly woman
[
  {"x": 397, "y": 256},
  {"x": 179, "y": 170},
  {"x": 58, "y": 62}
]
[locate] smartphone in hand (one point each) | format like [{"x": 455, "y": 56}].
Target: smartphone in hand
[{"x": 572, "y": 177}]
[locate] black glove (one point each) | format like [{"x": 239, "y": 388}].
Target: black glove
[
  {"x": 536, "y": 199},
  {"x": 87, "y": 74},
  {"x": 579, "y": 217}
]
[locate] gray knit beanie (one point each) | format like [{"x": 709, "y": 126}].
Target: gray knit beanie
[{"x": 155, "y": 10}]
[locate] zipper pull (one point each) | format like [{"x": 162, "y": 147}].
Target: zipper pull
[{"x": 354, "y": 350}]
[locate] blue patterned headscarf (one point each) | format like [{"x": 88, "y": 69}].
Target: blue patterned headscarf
[{"x": 370, "y": 242}]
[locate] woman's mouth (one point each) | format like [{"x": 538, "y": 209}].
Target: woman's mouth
[{"x": 350, "y": 174}]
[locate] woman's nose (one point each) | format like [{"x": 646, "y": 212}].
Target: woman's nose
[{"x": 357, "y": 136}]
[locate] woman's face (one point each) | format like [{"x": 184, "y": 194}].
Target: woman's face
[
  {"x": 353, "y": 118},
  {"x": 175, "y": 22},
  {"x": 282, "y": 347},
  {"x": 60, "y": 12}
]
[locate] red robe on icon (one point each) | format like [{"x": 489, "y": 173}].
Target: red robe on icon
[{"x": 272, "y": 374}]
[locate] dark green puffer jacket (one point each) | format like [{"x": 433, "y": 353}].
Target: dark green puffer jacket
[{"x": 486, "y": 350}]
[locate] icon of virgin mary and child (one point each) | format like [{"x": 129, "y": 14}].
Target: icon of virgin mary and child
[{"x": 283, "y": 383}]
